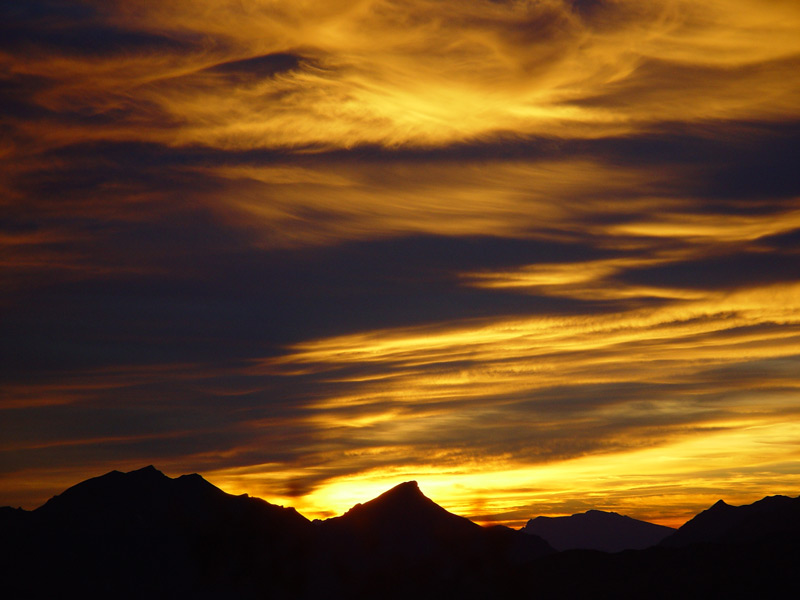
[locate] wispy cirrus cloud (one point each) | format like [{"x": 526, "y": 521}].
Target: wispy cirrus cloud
[{"x": 397, "y": 73}]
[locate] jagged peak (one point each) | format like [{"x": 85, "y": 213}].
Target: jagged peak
[{"x": 721, "y": 504}]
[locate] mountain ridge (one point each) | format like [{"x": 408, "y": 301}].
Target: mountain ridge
[
  {"x": 190, "y": 537},
  {"x": 145, "y": 534},
  {"x": 770, "y": 516},
  {"x": 597, "y": 530}
]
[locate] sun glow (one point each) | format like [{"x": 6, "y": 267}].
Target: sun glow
[
  {"x": 681, "y": 478},
  {"x": 645, "y": 371}
]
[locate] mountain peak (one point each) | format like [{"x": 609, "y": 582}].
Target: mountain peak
[
  {"x": 770, "y": 516},
  {"x": 408, "y": 484},
  {"x": 113, "y": 487},
  {"x": 147, "y": 469},
  {"x": 408, "y": 489},
  {"x": 402, "y": 508},
  {"x": 404, "y": 527},
  {"x": 403, "y": 498},
  {"x": 146, "y": 474}
]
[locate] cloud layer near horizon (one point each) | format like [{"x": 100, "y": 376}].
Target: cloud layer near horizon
[{"x": 543, "y": 252}]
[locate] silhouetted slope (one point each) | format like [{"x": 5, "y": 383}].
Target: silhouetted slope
[
  {"x": 597, "y": 530},
  {"x": 145, "y": 535},
  {"x": 700, "y": 571},
  {"x": 769, "y": 517},
  {"x": 401, "y": 515},
  {"x": 724, "y": 552},
  {"x": 128, "y": 535},
  {"x": 403, "y": 543}
]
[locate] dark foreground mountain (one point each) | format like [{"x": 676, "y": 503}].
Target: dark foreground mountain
[
  {"x": 402, "y": 542},
  {"x": 597, "y": 530},
  {"x": 145, "y": 535},
  {"x": 748, "y": 551},
  {"x": 771, "y": 517},
  {"x": 142, "y": 534}
]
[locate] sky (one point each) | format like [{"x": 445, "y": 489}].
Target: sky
[{"x": 540, "y": 256}]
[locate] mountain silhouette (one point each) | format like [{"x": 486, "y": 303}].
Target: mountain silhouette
[
  {"x": 156, "y": 534},
  {"x": 407, "y": 523},
  {"x": 145, "y": 535},
  {"x": 404, "y": 541},
  {"x": 724, "y": 552},
  {"x": 401, "y": 514},
  {"x": 773, "y": 516},
  {"x": 148, "y": 494},
  {"x": 597, "y": 530}
]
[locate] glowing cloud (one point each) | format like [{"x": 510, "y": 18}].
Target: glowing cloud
[{"x": 541, "y": 255}]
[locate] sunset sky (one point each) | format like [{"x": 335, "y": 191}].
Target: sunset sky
[{"x": 540, "y": 256}]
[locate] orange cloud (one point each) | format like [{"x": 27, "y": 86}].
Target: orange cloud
[
  {"x": 648, "y": 383},
  {"x": 423, "y": 73},
  {"x": 656, "y": 361}
]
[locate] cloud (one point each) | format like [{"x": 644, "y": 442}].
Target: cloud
[
  {"x": 310, "y": 248},
  {"x": 553, "y": 389},
  {"x": 408, "y": 73},
  {"x": 258, "y": 67},
  {"x": 731, "y": 271}
]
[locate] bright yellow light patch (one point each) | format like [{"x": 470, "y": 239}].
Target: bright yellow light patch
[
  {"x": 667, "y": 484},
  {"x": 709, "y": 437}
]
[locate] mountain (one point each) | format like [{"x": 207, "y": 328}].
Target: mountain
[
  {"x": 773, "y": 516},
  {"x": 597, "y": 530},
  {"x": 155, "y": 534},
  {"x": 405, "y": 523},
  {"x": 145, "y": 535},
  {"x": 402, "y": 542},
  {"x": 724, "y": 552}
]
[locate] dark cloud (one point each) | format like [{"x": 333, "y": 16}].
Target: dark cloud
[
  {"x": 588, "y": 8},
  {"x": 45, "y": 11},
  {"x": 787, "y": 242},
  {"x": 198, "y": 297},
  {"x": 133, "y": 157},
  {"x": 778, "y": 373},
  {"x": 718, "y": 273},
  {"x": 156, "y": 276},
  {"x": 17, "y": 98},
  {"x": 731, "y": 167},
  {"x": 99, "y": 40},
  {"x": 259, "y": 67},
  {"x": 738, "y": 168},
  {"x": 78, "y": 29}
]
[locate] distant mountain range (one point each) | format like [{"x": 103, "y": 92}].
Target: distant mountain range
[
  {"x": 597, "y": 530},
  {"x": 145, "y": 535}
]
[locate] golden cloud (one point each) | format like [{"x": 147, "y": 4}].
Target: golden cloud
[{"x": 424, "y": 73}]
